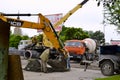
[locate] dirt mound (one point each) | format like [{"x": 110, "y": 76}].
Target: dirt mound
[{"x": 35, "y": 66}]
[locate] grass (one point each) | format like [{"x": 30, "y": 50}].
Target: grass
[{"x": 115, "y": 77}]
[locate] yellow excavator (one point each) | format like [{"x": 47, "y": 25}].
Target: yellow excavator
[
  {"x": 44, "y": 24},
  {"x": 47, "y": 28}
]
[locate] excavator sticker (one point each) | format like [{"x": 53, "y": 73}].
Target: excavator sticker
[{"x": 16, "y": 23}]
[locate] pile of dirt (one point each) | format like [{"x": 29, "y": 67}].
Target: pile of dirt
[
  {"x": 35, "y": 66},
  {"x": 58, "y": 66}
]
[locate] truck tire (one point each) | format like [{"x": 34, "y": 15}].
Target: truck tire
[
  {"x": 107, "y": 68},
  {"x": 117, "y": 72}
]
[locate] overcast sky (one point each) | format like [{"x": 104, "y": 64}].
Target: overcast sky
[{"x": 89, "y": 17}]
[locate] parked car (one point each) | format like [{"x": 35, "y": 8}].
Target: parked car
[{"x": 23, "y": 44}]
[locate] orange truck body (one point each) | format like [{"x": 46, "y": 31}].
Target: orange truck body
[{"x": 76, "y": 48}]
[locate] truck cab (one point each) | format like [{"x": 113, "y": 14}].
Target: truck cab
[
  {"x": 109, "y": 59},
  {"x": 81, "y": 49},
  {"x": 75, "y": 48}
]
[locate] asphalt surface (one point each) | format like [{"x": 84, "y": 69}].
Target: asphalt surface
[{"x": 76, "y": 73}]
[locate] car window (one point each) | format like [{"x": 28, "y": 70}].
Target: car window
[
  {"x": 21, "y": 43},
  {"x": 71, "y": 43},
  {"x": 26, "y": 42}
]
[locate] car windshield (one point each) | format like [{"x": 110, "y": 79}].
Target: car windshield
[{"x": 72, "y": 43}]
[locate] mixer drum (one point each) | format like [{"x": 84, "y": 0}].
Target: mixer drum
[{"x": 90, "y": 44}]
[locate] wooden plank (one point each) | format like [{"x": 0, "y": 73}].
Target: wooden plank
[{"x": 14, "y": 68}]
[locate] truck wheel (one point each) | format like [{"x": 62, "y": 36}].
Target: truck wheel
[
  {"x": 107, "y": 68},
  {"x": 118, "y": 72}
]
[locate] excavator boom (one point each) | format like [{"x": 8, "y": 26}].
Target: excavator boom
[
  {"x": 44, "y": 24},
  {"x": 62, "y": 20},
  {"x": 19, "y": 23}
]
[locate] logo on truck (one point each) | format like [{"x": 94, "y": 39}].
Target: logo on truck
[{"x": 15, "y": 23}]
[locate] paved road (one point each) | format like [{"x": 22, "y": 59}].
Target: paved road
[{"x": 76, "y": 73}]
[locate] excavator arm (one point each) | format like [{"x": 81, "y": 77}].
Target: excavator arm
[
  {"x": 65, "y": 17},
  {"x": 51, "y": 33},
  {"x": 62, "y": 20},
  {"x": 19, "y": 23},
  {"x": 44, "y": 24}
]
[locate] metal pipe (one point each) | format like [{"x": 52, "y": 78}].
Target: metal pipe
[
  {"x": 4, "y": 14},
  {"x": 28, "y": 54}
]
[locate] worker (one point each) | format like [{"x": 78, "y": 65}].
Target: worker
[
  {"x": 34, "y": 40},
  {"x": 67, "y": 58},
  {"x": 44, "y": 58}
]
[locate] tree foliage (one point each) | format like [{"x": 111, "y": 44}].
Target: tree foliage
[
  {"x": 15, "y": 39},
  {"x": 111, "y": 11},
  {"x": 98, "y": 35},
  {"x": 25, "y": 37},
  {"x": 40, "y": 37},
  {"x": 69, "y": 33}
]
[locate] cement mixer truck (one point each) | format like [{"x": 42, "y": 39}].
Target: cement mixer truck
[{"x": 81, "y": 49}]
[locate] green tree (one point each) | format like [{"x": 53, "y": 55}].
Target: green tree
[
  {"x": 40, "y": 37},
  {"x": 111, "y": 12},
  {"x": 90, "y": 33},
  {"x": 25, "y": 37},
  {"x": 69, "y": 33},
  {"x": 14, "y": 40},
  {"x": 98, "y": 35}
]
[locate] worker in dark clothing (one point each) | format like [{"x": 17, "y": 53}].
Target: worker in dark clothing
[{"x": 66, "y": 57}]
